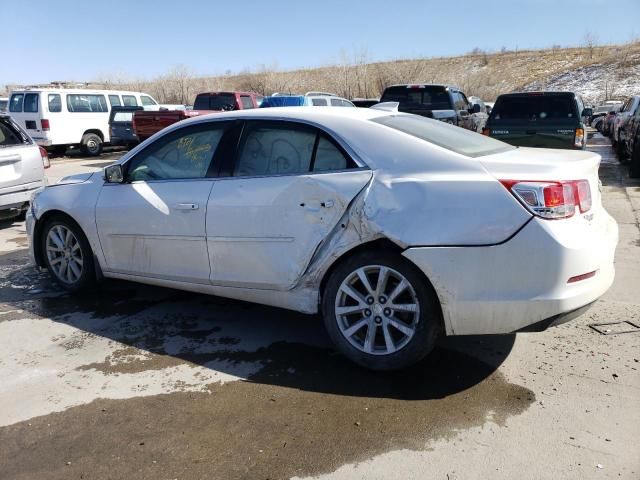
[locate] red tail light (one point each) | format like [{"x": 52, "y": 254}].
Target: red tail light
[
  {"x": 45, "y": 124},
  {"x": 45, "y": 158},
  {"x": 552, "y": 200},
  {"x": 486, "y": 131}
]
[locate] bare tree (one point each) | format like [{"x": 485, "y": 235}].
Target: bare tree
[{"x": 590, "y": 40}]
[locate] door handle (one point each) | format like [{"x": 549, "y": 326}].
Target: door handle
[
  {"x": 187, "y": 206},
  {"x": 327, "y": 204}
]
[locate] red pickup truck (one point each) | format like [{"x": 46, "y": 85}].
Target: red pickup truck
[{"x": 146, "y": 123}]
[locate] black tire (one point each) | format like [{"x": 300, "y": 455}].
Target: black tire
[
  {"x": 429, "y": 321},
  {"x": 57, "y": 150},
  {"x": 621, "y": 151},
  {"x": 91, "y": 144},
  {"x": 87, "y": 275},
  {"x": 634, "y": 163}
]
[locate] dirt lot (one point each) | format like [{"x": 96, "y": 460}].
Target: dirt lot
[{"x": 137, "y": 382}]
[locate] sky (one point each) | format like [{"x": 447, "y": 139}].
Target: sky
[{"x": 85, "y": 40}]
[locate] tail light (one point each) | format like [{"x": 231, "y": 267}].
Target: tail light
[
  {"x": 45, "y": 157},
  {"x": 486, "y": 131},
  {"x": 552, "y": 200},
  {"x": 45, "y": 124},
  {"x": 579, "y": 138}
]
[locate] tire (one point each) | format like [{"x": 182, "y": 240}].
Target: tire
[
  {"x": 634, "y": 163},
  {"x": 57, "y": 150},
  {"x": 621, "y": 151},
  {"x": 60, "y": 249},
  {"x": 418, "y": 330},
  {"x": 91, "y": 144}
]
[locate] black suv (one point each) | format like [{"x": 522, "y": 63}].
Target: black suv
[{"x": 442, "y": 102}]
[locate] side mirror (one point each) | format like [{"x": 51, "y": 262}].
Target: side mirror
[
  {"x": 114, "y": 174},
  {"x": 587, "y": 112}
]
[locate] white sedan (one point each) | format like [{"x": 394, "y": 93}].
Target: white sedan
[{"x": 395, "y": 227}]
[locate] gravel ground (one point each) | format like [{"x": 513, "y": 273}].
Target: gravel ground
[{"x": 131, "y": 381}]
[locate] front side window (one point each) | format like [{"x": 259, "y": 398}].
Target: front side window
[
  {"x": 146, "y": 100},
  {"x": 444, "y": 135},
  {"x": 15, "y": 105},
  {"x": 129, "y": 101},
  {"x": 114, "y": 100},
  {"x": 55, "y": 104},
  {"x": 31, "y": 102},
  {"x": 246, "y": 102},
  {"x": 184, "y": 154},
  {"x": 319, "y": 102},
  {"x": 86, "y": 103}
]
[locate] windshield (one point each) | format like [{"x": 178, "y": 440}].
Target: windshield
[
  {"x": 534, "y": 109},
  {"x": 223, "y": 101},
  {"x": 444, "y": 135},
  {"x": 426, "y": 97}
]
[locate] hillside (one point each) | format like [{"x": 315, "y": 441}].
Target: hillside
[{"x": 599, "y": 73}]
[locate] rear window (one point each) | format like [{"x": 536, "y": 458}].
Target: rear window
[
  {"x": 225, "y": 101},
  {"x": 31, "y": 102},
  {"x": 535, "y": 109},
  {"x": 444, "y": 135},
  {"x": 123, "y": 117},
  {"x": 81, "y": 103},
  {"x": 16, "y": 102},
  {"x": 9, "y": 134},
  {"x": 430, "y": 98}
]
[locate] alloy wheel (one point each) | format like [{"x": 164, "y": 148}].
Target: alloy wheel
[{"x": 64, "y": 254}]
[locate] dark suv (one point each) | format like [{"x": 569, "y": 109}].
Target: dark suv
[
  {"x": 442, "y": 102},
  {"x": 539, "y": 119}
]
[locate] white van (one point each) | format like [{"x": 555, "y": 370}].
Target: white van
[{"x": 58, "y": 118}]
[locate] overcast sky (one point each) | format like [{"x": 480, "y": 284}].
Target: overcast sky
[{"x": 85, "y": 40}]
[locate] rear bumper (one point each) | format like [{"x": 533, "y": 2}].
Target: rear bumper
[
  {"x": 16, "y": 196},
  {"x": 523, "y": 282}
]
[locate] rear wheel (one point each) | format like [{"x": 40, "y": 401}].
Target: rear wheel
[
  {"x": 91, "y": 144},
  {"x": 380, "y": 311},
  {"x": 67, "y": 254}
]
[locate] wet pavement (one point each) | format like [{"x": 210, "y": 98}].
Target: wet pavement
[{"x": 132, "y": 381}]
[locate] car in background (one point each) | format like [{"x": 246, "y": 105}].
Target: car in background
[
  {"x": 59, "y": 118},
  {"x": 633, "y": 144},
  {"x": 600, "y": 112},
  {"x": 480, "y": 115},
  {"x": 336, "y": 211},
  {"x": 311, "y": 99},
  {"x": 607, "y": 123},
  {"x": 22, "y": 164},
  {"x": 620, "y": 126},
  {"x": 365, "y": 102},
  {"x": 539, "y": 119},
  {"x": 146, "y": 124},
  {"x": 489, "y": 107},
  {"x": 4, "y": 104},
  {"x": 121, "y": 126},
  {"x": 440, "y": 102}
]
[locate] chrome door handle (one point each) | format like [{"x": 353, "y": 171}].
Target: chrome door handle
[
  {"x": 327, "y": 204},
  {"x": 187, "y": 206}
]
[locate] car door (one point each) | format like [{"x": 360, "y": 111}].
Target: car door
[
  {"x": 288, "y": 188},
  {"x": 153, "y": 224}
]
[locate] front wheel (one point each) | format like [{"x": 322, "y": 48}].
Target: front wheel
[
  {"x": 380, "y": 311},
  {"x": 67, "y": 254}
]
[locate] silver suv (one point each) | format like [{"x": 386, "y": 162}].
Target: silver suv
[{"x": 22, "y": 165}]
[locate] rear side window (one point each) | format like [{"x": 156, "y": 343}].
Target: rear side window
[
  {"x": 129, "y": 101},
  {"x": 81, "y": 103},
  {"x": 328, "y": 157},
  {"x": 146, "y": 100},
  {"x": 31, "y": 102},
  {"x": 447, "y": 136},
  {"x": 114, "y": 100},
  {"x": 9, "y": 134},
  {"x": 54, "y": 102},
  {"x": 319, "y": 102},
  {"x": 246, "y": 102},
  {"x": 15, "y": 105},
  {"x": 537, "y": 109}
]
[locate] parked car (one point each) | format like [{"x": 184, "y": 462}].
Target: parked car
[
  {"x": 480, "y": 115},
  {"x": 4, "y": 104},
  {"x": 620, "y": 126},
  {"x": 489, "y": 107},
  {"x": 311, "y": 99},
  {"x": 539, "y": 119},
  {"x": 441, "y": 102},
  {"x": 146, "y": 124},
  {"x": 59, "y": 118},
  {"x": 22, "y": 165},
  {"x": 607, "y": 123},
  {"x": 384, "y": 222},
  {"x": 121, "y": 126},
  {"x": 600, "y": 112},
  {"x": 365, "y": 102},
  {"x": 633, "y": 144}
]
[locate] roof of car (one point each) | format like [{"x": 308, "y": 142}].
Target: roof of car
[{"x": 299, "y": 113}]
